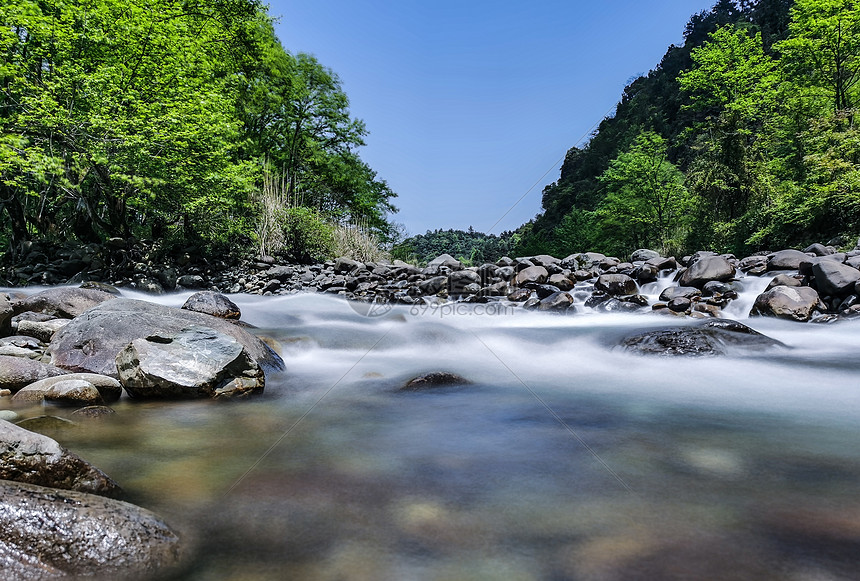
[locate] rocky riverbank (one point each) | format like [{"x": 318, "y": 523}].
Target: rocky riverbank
[{"x": 817, "y": 283}]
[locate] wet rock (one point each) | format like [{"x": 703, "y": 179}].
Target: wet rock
[
  {"x": 705, "y": 269},
  {"x": 41, "y": 330},
  {"x": 433, "y": 285},
  {"x": 716, "y": 337},
  {"x": 646, "y": 273},
  {"x": 29, "y": 457},
  {"x": 535, "y": 274},
  {"x": 104, "y": 287},
  {"x": 344, "y": 264},
  {"x": 786, "y": 260},
  {"x": 784, "y": 302},
  {"x": 643, "y": 254},
  {"x": 443, "y": 262},
  {"x": 90, "y": 343},
  {"x": 674, "y": 292},
  {"x": 63, "y": 302},
  {"x": 191, "y": 281},
  {"x": 93, "y": 412},
  {"x": 20, "y": 346},
  {"x": 661, "y": 263},
  {"x": 835, "y": 278},
  {"x": 17, "y": 372},
  {"x": 561, "y": 281},
  {"x": 282, "y": 273},
  {"x": 46, "y": 425},
  {"x": 819, "y": 250},
  {"x": 753, "y": 265},
  {"x": 616, "y": 284},
  {"x": 149, "y": 286},
  {"x": 556, "y": 302},
  {"x": 519, "y": 295},
  {"x": 108, "y": 388},
  {"x": 544, "y": 260},
  {"x": 717, "y": 288},
  {"x": 6, "y": 313},
  {"x": 680, "y": 304},
  {"x": 783, "y": 280},
  {"x": 192, "y": 363},
  {"x": 459, "y": 280},
  {"x": 49, "y": 533},
  {"x": 73, "y": 392},
  {"x": 435, "y": 379},
  {"x": 212, "y": 303}
]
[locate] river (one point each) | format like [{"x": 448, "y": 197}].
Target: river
[{"x": 565, "y": 459}]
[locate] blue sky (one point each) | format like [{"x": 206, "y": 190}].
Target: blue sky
[{"x": 468, "y": 103}]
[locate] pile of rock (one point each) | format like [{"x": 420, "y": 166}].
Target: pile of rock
[{"x": 77, "y": 349}]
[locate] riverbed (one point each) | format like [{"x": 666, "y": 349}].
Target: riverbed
[{"x": 566, "y": 458}]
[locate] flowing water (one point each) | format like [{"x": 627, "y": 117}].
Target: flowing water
[{"x": 565, "y": 459}]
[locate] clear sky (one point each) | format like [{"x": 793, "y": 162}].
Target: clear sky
[{"x": 468, "y": 103}]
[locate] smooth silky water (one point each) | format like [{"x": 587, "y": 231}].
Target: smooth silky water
[{"x": 566, "y": 459}]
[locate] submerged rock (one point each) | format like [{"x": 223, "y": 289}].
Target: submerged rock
[
  {"x": 192, "y": 363},
  {"x": 435, "y": 379},
  {"x": 49, "y": 533},
  {"x": 718, "y": 337},
  {"x": 29, "y": 457}
]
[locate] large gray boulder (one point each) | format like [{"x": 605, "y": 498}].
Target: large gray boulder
[
  {"x": 440, "y": 263},
  {"x": 108, "y": 388},
  {"x": 91, "y": 342},
  {"x": 644, "y": 254},
  {"x": 459, "y": 280},
  {"x": 535, "y": 274},
  {"x": 63, "y": 302},
  {"x": 785, "y": 302},
  {"x": 17, "y": 372},
  {"x": 212, "y": 303},
  {"x": 786, "y": 260},
  {"x": 50, "y": 533},
  {"x": 616, "y": 284},
  {"x": 706, "y": 269},
  {"x": 29, "y": 457},
  {"x": 192, "y": 363},
  {"x": 834, "y": 278},
  {"x": 717, "y": 337},
  {"x": 433, "y": 285}
]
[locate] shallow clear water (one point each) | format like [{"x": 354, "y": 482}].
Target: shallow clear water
[{"x": 565, "y": 459}]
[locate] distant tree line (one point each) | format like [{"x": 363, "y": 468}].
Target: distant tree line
[
  {"x": 744, "y": 138},
  {"x": 469, "y": 247},
  {"x": 160, "y": 118}
]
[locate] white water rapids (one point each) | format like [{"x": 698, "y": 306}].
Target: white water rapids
[{"x": 567, "y": 458}]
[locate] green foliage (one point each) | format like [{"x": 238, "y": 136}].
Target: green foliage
[
  {"x": 646, "y": 203},
  {"x": 469, "y": 247},
  {"x": 756, "y": 115},
  {"x": 152, "y": 118},
  {"x": 307, "y": 236}
]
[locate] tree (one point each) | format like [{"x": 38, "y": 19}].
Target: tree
[
  {"x": 117, "y": 117},
  {"x": 823, "y": 51},
  {"x": 646, "y": 203}
]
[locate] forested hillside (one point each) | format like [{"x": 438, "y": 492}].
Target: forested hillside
[
  {"x": 177, "y": 120},
  {"x": 469, "y": 247},
  {"x": 743, "y": 138}
]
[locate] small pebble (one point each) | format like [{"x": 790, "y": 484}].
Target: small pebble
[{"x": 5, "y": 392}]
